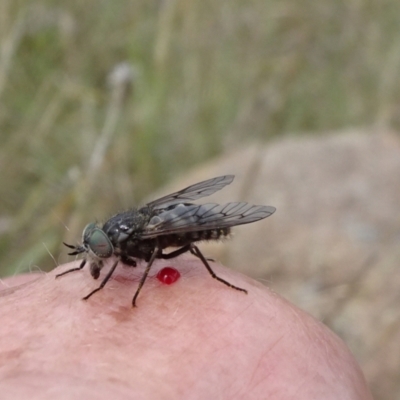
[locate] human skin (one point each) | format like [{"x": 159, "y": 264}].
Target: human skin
[{"x": 194, "y": 339}]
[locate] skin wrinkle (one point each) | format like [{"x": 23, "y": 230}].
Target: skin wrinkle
[
  {"x": 252, "y": 384},
  {"x": 230, "y": 320},
  {"x": 319, "y": 347},
  {"x": 11, "y": 289},
  {"x": 217, "y": 380},
  {"x": 330, "y": 391},
  {"x": 217, "y": 347},
  {"x": 312, "y": 334},
  {"x": 299, "y": 385},
  {"x": 323, "y": 346},
  {"x": 205, "y": 336},
  {"x": 239, "y": 315},
  {"x": 189, "y": 332},
  {"x": 235, "y": 317}
]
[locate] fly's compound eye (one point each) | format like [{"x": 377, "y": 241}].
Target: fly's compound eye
[
  {"x": 99, "y": 243},
  {"x": 87, "y": 232}
]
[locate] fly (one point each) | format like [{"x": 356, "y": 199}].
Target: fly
[{"x": 171, "y": 221}]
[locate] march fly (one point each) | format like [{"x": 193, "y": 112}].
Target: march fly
[{"x": 171, "y": 221}]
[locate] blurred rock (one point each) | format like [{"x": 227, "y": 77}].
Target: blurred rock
[{"x": 333, "y": 246}]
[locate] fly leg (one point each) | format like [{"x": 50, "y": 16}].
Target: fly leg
[
  {"x": 156, "y": 253},
  {"x": 73, "y": 269},
  {"x": 105, "y": 280},
  {"x": 180, "y": 251},
  {"x": 195, "y": 251},
  {"x": 175, "y": 253}
]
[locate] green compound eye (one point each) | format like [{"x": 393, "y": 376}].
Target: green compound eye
[
  {"x": 97, "y": 241},
  {"x": 87, "y": 232}
]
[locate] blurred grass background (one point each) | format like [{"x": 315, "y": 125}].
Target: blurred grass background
[{"x": 101, "y": 102}]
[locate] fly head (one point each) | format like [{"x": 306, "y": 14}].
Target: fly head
[{"x": 95, "y": 242}]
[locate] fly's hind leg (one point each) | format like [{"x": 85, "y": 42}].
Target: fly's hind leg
[
  {"x": 175, "y": 253},
  {"x": 180, "y": 251},
  {"x": 196, "y": 252}
]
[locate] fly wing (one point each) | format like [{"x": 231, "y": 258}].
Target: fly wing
[
  {"x": 200, "y": 217},
  {"x": 193, "y": 192}
]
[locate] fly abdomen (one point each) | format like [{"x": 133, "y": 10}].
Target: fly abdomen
[
  {"x": 211, "y": 234},
  {"x": 184, "y": 238}
]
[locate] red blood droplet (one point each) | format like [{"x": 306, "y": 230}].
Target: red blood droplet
[{"x": 168, "y": 275}]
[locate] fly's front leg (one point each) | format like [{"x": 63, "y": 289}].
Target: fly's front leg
[
  {"x": 195, "y": 251},
  {"x": 105, "y": 280},
  {"x": 73, "y": 269}
]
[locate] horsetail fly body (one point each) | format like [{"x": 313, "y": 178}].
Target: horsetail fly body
[{"x": 171, "y": 221}]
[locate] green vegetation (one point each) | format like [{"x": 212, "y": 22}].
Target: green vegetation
[{"x": 206, "y": 75}]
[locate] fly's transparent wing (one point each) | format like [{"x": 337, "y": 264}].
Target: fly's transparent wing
[
  {"x": 193, "y": 192},
  {"x": 199, "y": 217}
]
